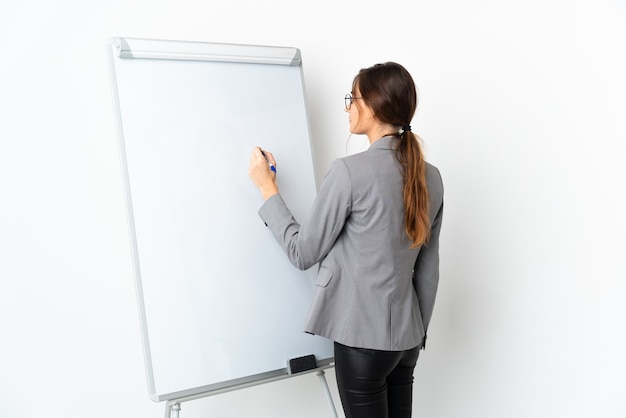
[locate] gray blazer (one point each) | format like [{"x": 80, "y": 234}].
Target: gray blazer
[{"x": 372, "y": 290}]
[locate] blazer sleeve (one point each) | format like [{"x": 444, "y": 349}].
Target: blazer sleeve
[
  {"x": 426, "y": 272},
  {"x": 308, "y": 243}
]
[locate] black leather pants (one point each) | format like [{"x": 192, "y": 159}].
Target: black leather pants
[{"x": 373, "y": 383}]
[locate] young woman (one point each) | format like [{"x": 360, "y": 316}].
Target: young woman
[{"x": 374, "y": 230}]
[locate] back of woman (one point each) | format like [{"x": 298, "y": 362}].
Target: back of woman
[{"x": 374, "y": 230}]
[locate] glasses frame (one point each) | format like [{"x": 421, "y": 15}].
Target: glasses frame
[{"x": 349, "y": 99}]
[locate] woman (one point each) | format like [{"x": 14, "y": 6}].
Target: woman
[{"x": 374, "y": 230}]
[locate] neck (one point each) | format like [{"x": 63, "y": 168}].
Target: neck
[{"x": 379, "y": 131}]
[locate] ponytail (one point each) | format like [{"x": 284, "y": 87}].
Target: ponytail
[
  {"x": 415, "y": 193},
  {"x": 390, "y": 91}
]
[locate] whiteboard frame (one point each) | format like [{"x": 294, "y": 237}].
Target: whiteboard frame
[
  {"x": 172, "y": 405},
  {"x": 204, "y": 51}
]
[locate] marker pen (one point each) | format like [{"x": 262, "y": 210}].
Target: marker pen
[{"x": 268, "y": 161}]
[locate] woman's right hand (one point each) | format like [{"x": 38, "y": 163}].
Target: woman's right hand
[{"x": 261, "y": 174}]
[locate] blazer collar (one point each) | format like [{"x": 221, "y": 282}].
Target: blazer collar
[{"x": 386, "y": 142}]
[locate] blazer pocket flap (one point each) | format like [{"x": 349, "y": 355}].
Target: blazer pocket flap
[{"x": 323, "y": 277}]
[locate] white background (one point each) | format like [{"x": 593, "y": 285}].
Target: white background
[{"x": 522, "y": 109}]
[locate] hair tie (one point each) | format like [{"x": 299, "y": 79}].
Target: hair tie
[{"x": 406, "y": 128}]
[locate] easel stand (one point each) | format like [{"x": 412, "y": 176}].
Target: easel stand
[{"x": 172, "y": 406}]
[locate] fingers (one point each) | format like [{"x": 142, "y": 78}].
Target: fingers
[
  {"x": 257, "y": 156},
  {"x": 267, "y": 156},
  {"x": 270, "y": 157},
  {"x": 260, "y": 170}
]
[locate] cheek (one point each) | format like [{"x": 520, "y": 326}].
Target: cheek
[{"x": 354, "y": 116}]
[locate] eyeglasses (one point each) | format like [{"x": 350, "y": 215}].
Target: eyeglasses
[{"x": 348, "y": 100}]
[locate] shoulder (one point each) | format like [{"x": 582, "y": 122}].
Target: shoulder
[
  {"x": 349, "y": 166},
  {"x": 434, "y": 182},
  {"x": 432, "y": 172},
  {"x": 380, "y": 156}
]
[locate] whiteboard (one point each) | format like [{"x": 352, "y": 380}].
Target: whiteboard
[{"x": 219, "y": 303}]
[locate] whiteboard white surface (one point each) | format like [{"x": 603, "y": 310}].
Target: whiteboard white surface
[{"x": 219, "y": 303}]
